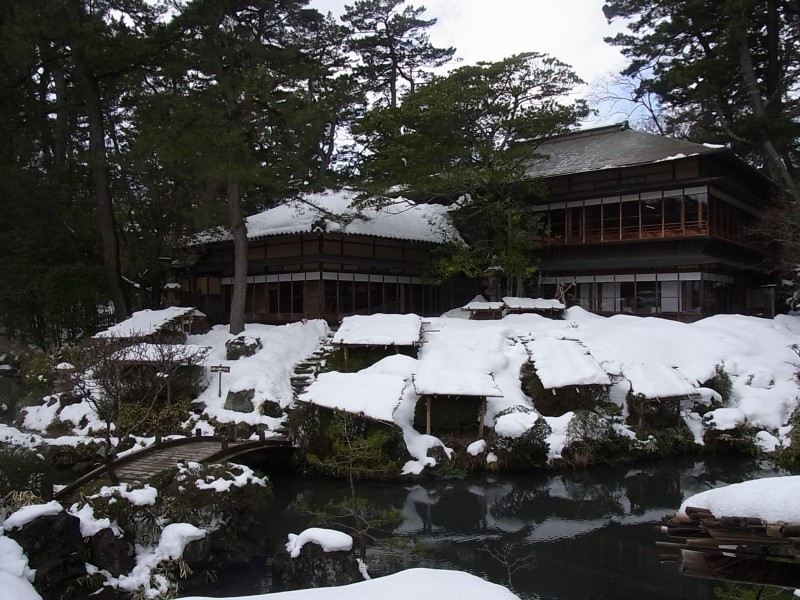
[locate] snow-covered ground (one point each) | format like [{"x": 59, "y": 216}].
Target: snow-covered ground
[
  {"x": 653, "y": 357},
  {"x": 412, "y": 583}
]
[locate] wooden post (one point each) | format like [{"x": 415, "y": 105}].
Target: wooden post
[
  {"x": 261, "y": 436},
  {"x": 197, "y": 432},
  {"x": 481, "y": 417},
  {"x": 158, "y": 438},
  {"x": 232, "y": 431},
  {"x": 428, "y": 419},
  {"x": 224, "y": 443}
]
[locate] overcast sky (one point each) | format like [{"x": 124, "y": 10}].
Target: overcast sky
[{"x": 489, "y": 30}]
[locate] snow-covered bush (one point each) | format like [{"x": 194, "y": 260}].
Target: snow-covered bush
[
  {"x": 242, "y": 346},
  {"x": 524, "y": 451}
]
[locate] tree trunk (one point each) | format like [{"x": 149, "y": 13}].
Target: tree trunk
[
  {"x": 239, "y": 231},
  {"x": 777, "y": 168},
  {"x": 98, "y": 160}
]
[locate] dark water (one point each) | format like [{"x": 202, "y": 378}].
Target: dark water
[{"x": 577, "y": 535}]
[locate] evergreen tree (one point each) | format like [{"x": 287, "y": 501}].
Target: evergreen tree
[
  {"x": 393, "y": 46},
  {"x": 233, "y": 107},
  {"x": 471, "y": 136},
  {"x": 725, "y": 71}
]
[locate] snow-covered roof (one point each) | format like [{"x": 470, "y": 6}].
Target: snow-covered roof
[
  {"x": 657, "y": 380},
  {"x": 610, "y": 147},
  {"x": 477, "y": 305},
  {"x": 455, "y": 383},
  {"x": 532, "y": 303},
  {"x": 562, "y": 363},
  {"x": 379, "y": 330},
  {"x": 331, "y": 211},
  {"x": 771, "y": 499},
  {"x": 374, "y": 395},
  {"x": 147, "y": 322}
]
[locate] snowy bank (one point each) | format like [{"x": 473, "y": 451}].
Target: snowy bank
[{"x": 413, "y": 583}]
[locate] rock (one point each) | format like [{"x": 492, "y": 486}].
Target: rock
[
  {"x": 223, "y": 551},
  {"x": 271, "y": 408},
  {"x": 315, "y": 568},
  {"x": 54, "y": 547},
  {"x": 241, "y": 401},
  {"x": 115, "y": 555}
]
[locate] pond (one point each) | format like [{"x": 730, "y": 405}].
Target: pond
[{"x": 561, "y": 536}]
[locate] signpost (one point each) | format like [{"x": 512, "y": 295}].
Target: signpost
[{"x": 220, "y": 369}]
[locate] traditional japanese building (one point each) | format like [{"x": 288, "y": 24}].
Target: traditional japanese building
[
  {"x": 638, "y": 223},
  {"x": 649, "y": 225},
  {"x": 316, "y": 257}
]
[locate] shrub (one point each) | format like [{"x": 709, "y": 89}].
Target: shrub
[
  {"x": 721, "y": 383},
  {"x": 67, "y": 457},
  {"x": 354, "y": 448},
  {"x": 242, "y": 346},
  {"x": 788, "y": 457},
  {"x": 22, "y": 469},
  {"x": 58, "y": 427},
  {"x": 526, "y": 451},
  {"x": 36, "y": 369},
  {"x": 202, "y": 505},
  {"x": 739, "y": 440}
]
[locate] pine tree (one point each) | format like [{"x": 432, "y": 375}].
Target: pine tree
[
  {"x": 393, "y": 46},
  {"x": 471, "y": 135},
  {"x": 725, "y": 71}
]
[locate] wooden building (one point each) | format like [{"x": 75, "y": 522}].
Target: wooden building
[
  {"x": 318, "y": 258},
  {"x": 639, "y": 224},
  {"x": 651, "y": 225}
]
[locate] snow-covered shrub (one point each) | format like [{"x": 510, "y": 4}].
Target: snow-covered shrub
[
  {"x": 722, "y": 383},
  {"x": 207, "y": 495},
  {"x": 525, "y": 451},
  {"x": 242, "y": 346},
  {"x": 788, "y": 456}
]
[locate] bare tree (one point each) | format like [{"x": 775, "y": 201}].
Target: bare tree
[{"x": 117, "y": 371}]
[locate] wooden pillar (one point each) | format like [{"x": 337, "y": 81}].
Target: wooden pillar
[
  {"x": 428, "y": 415},
  {"x": 481, "y": 417}
]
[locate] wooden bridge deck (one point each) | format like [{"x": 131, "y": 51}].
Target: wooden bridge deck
[
  {"x": 148, "y": 462},
  {"x": 166, "y": 458}
]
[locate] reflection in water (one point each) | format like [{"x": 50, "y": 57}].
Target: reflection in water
[{"x": 591, "y": 532}]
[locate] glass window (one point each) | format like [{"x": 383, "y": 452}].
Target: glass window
[
  {"x": 611, "y": 221},
  {"x": 630, "y": 218},
  {"x": 646, "y": 297},
  {"x": 670, "y": 296},
  {"x": 690, "y": 296},
  {"x": 610, "y": 297},
  {"x": 672, "y": 213},
  {"x": 593, "y": 221},
  {"x": 558, "y": 223},
  {"x": 651, "y": 215}
]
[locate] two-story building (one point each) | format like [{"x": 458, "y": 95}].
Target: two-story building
[
  {"x": 638, "y": 223},
  {"x": 317, "y": 257},
  {"x": 649, "y": 225}
]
